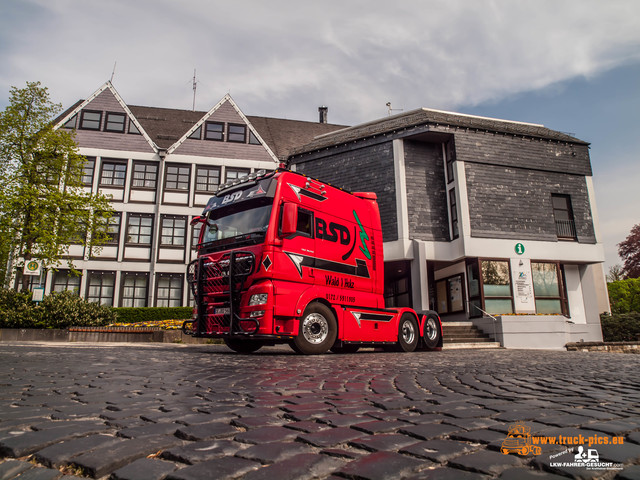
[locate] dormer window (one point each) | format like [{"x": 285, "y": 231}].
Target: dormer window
[
  {"x": 237, "y": 133},
  {"x": 115, "y": 122},
  {"x": 90, "y": 120},
  {"x": 214, "y": 131},
  {"x": 71, "y": 123},
  {"x": 197, "y": 133},
  {"x": 133, "y": 130}
]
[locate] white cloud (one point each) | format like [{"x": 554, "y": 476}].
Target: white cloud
[{"x": 286, "y": 56}]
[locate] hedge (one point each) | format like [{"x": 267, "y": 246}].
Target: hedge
[
  {"x": 149, "y": 314},
  {"x": 58, "y": 310},
  {"x": 623, "y": 327}
]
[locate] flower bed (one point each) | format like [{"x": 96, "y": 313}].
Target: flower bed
[{"x": 175, "y": 324}]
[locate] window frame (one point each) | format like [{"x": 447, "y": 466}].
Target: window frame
[
  {"x": 123, "y": 125},
  {"x": 102, "y": 274},
  {"x": 208, "y": 169},
  {"x": 124, "y": 299},
  {"x": 89, "y": 166},
  {"x": 484, "y": 297},
  {"x": 562, "y": 291},
  {"x": 159, "y": 301},
  {"x": 209, "y": 134},
  {"x": 65, "y": 274},
  {"x": 239, "y": 170},
  {"x": 115, "y": 163},
  {"x": 173, "y": 236},
  {"x": 83, "y": 126},
  {"x": 453, "y": 214},
  {"x": 179, "y": 166},
  {"x": 138, "y": 163},
  {"x": 569, "y": 223},
  {"x": 448, "y": 281},
  {"x": 138, "y": 235},
  {"x": 234, "y": 137}
]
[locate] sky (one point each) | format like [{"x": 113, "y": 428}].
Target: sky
[{"x": 571, "y": 65}]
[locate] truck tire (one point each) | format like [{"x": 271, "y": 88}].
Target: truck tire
[
  {"x": 408, "y": 333},
  {"x": 318, "y": 330},
  {"x": 243, "y": 346},
  {"x": 432, "y": 332}
]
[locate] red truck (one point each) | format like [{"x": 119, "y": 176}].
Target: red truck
[{"x": 283, "y": 258}]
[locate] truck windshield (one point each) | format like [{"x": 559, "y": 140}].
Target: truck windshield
[{"x": 226, "y": 223}]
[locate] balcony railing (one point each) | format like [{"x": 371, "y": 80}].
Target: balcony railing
[{"x": 566, "y": 229}]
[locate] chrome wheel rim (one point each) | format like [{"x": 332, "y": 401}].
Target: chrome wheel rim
[
  {"x": 431, "y": 329},
  {"x": 315, "y": 328},
  {"x": 408, "y": 332}
]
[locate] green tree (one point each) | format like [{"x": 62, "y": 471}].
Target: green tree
[
  {"x": 43, "y": 204},
  {"x": 624, "y": 295}
]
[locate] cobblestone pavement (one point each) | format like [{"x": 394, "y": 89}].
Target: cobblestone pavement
[{"x": 202, "y": 412}]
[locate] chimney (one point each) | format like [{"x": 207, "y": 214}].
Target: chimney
[{"x": 323, "y": 114}]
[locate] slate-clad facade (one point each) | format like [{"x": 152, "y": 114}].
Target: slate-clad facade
[{"x": 484, "y": 220}]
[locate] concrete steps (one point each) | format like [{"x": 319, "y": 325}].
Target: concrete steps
[{"x": 465, "y": 335}]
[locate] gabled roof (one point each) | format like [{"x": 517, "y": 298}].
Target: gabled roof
[
  {"x": 79, "y": 105},
  {"x": 435, "y": 118},
  {"x": 226, "y": 99}
]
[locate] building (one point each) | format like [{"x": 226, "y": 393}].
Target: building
[
  {"x": 160, "y": 166},
  {"x": 484, "y": 220}
]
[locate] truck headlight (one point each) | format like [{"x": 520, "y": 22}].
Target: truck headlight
[{"x": 258, "y": 299}]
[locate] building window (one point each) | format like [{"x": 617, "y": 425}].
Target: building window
[
  {"x": 113, "y": 174},
  {"x": 214, "y": 131},
  {"x": 496, "y": 286},
  {"x": 169, "y": 290},
  {"x": 253, "y": 140},
  {"x": 450, "y": 295},
  {"x": 235, "y": 173},
  {"x": 473, "y": 287},
  {"x": 88, "y": 171},
  {"x": 207, "y": 179},
  {"x": 145, "y": 176},
  {"x": 451, "y": 157},
  {"x": 548, "y": 288},
  {"x": 65, "y": 281},
  {"x": 139, "y": 229},
  {"x": 133, "y": 130},
  {"x": 197, "y": 133},
  {"x": 177, "y": 177},
  {"x": 90, "y": 120},
  {"x": 113, "y": 229},
  {"x": 134, "y": 290},
  {"x": 563, "y": 214},
  {"x": 71, "y": 123},
  {"x": 455, "y": 233},
  {"x": 100, "y": 287},
  {"x": 237, "y": 133},
  {"x": 195, "y": 235},
  {"x": 115, "y": 122},
  {"x": 174, "y": 230}
]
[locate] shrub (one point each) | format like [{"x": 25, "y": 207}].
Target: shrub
[
  {"x": 17, "y": 310},
  {"x": 66, "y": 309},
  {"x": 621, "y": 327},
  {"x": 150, "y": 314},
  {"x": 624, "y": 295},
  {"x": 58, "y": 310}
]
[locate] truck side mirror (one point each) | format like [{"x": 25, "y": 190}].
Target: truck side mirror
[{"x": 289, "y": 219}]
